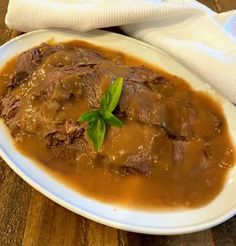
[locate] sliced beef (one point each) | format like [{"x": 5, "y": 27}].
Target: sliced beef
[
  {"x": 141, "y": 103},
  {"x": 27, "y": 62},
  {"x": 64, "y": 133},
  {"x": 180, "y": 120},
  {"x": 61, "y": 84},
  {"x": 139, "y": 100},
  {"x": 89, "y": 57},
  {"x": 128, "y": 92},
  {"x": 147, "y": 108},
  {"x": 91, "y": 85},
  {"x": 95, "y": 83},
  {"x": 145, "y": 75},
  {"x": 30, "y": 59},
  {"x": 17, "y": 79},
  {"x": 75, "y": 77},
  {"x": 138, "y": 164},
  {"x": 10, "y": 105},
  {"x": 64, "y": 57}
]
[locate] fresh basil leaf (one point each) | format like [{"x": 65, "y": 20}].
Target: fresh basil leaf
[
  {"x": 98, "y": 118},
  {"x": 105, "y": 100},
  {"x": 111, "y": 119},
  {"x": 110, "y": 98},
  {"x": 96, "y": 132},
  {"x": 89, "y": 116}
]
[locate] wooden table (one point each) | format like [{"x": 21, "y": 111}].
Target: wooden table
[{"x": 29, "y": 218}]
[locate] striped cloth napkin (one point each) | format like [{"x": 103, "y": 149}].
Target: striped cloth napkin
[{"x": 197, "y": 37}]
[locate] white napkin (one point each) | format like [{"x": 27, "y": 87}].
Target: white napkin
[{"x": 197, "y": 37}]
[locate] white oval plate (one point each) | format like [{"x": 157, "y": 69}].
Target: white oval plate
[{"x": 169, "y": 222}]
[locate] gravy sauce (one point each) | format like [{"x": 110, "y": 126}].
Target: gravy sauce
[{"x": 192, "y": 182}]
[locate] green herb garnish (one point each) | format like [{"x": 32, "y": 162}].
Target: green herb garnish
[{"x": 98, "y": 118}]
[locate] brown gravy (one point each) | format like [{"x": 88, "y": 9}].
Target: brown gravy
[{"x": 191, "y": 183}]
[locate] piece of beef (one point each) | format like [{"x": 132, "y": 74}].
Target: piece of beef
[
  {"x": 180, "y": 120},
  {"x": 64, "y": 133},
  {"x": 74, "y": 57},
  {"x": 63, "y": 80},
  {"x": 139, "y": 99},
  {"x": 9, "y": 106},
  {"x": 30, "y": 59},
  {"x": 95, "y": 83},
  {"x": 139, "y": 163},
  {"x": 145, "y": 75},
  {"x": 27, "y": 62},
  {"x": 61, "y": 84},
  {"x": 91, "y": 85},
  {"x": 141, "y": 103},
  {"x": 17, "y": 79},
  {"x": 89, "y": 57},
  {"x": 67, "y": 141}
]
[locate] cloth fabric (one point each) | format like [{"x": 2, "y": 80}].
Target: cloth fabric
[{"x": 200, "y": 39}]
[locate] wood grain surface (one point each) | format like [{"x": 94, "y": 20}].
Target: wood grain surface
[{"x": 30, "y": 219}]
